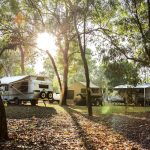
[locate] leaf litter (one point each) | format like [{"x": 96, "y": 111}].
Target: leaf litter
[{"x": 67, "y": 129}]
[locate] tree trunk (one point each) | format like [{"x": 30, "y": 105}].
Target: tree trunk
[
  {"x": 3, "y": 122},
  {"x": 148, "y": 3},
  {"x": 5, "y": 70},
  {"x": 86, "y": 69},
  {"x": 55, "y": 68},
  {"x": 65, "y": 76},
  {"x": 22, "y": 60}
]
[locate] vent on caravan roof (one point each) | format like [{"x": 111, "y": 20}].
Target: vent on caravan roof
[{"x": 40, "y": 78}]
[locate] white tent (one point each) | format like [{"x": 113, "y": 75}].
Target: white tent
[{"x": 125, "y": 86}]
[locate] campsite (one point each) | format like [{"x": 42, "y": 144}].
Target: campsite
[{"x": 74, "y": 74}]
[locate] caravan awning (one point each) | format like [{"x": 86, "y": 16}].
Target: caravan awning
[{"x": 8, "y": 80}]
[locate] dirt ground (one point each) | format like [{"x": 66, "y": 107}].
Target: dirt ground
[{"x": 62, "y": 128}]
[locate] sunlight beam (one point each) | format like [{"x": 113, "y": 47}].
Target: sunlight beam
[{"x": 46, "y": 42}]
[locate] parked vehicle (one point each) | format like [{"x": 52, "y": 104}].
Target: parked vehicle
[
  {"x": 117, "y": 99},
  {"x": 96, "y": 98},
  {"x": 80, "y": 100},
  {"x": 18, "y": 89},
  {"x": 56, "y": 98}
]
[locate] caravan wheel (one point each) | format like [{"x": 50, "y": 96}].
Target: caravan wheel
[
  {"x": 50, "y": 95},
  {"x": 33, "y": 102},
  {"x": 17, "y": 101},
  {"x": 97, "y": 103},
  {"x": 42, "y": 95}
]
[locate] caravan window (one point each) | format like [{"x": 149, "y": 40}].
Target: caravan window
[
  {"x": 95, "y": 90},
  {"x": 6, "y": 87},
  {"x": 24, "y": 87},
  {"x": 43, "y": 86},
  {"x": 83, "y": 90}
]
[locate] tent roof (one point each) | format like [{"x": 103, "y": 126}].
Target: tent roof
[
  {"x": 125, "y": 86},
  {"x": 139, "y": 86},
  {"x": 143, "y": 86},
  {"x": 91, "y": 85}
]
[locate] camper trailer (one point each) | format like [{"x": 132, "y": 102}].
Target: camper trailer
[{"x": 18, "y": 89}]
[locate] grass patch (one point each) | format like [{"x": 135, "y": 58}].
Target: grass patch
[{"x": 110, "y": 109}]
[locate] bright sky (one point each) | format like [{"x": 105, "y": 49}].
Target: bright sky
[
  {"x": 44, "y": 42},
  {"x": 39, "y": 65}
]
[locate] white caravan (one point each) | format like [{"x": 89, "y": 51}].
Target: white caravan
[{"x": 20, "y": 89}]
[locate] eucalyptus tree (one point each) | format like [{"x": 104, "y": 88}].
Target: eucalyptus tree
[
  {"x": 3, "y": 122},
  {"x": 56, "y": 19},
  {"x": 124, "y": 27},
  {"x": 16, "y": 31},
  {"x": 80, "y": 11},
  {"x": 55, "y": 68},
  {"x": 62, "y": 22}
]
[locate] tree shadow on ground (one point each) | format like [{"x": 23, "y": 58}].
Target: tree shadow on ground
[
  {"x": 82, "y": 134},
  {"x": 142, "y": 115},
  {"x": 133, "y": 129},
  {"x": 23, "y": 112}
]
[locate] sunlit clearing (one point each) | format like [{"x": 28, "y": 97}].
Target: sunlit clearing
[
  {"x": 106, "y": 110},
  {"x": 46, "y": 42}
]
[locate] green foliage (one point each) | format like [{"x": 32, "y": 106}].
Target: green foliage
[
  {"x": 125, "y": 27},
  {"x": 118, "y": 28},
  {"x": 76, "y": 69},
  {"x": 10, "y": 60},
  {"x": 14, "y": 5},
  {"x": 99, "y": 77},
  {"x": 122, "y": 72},
  {"x": 16, "y": 30}
]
